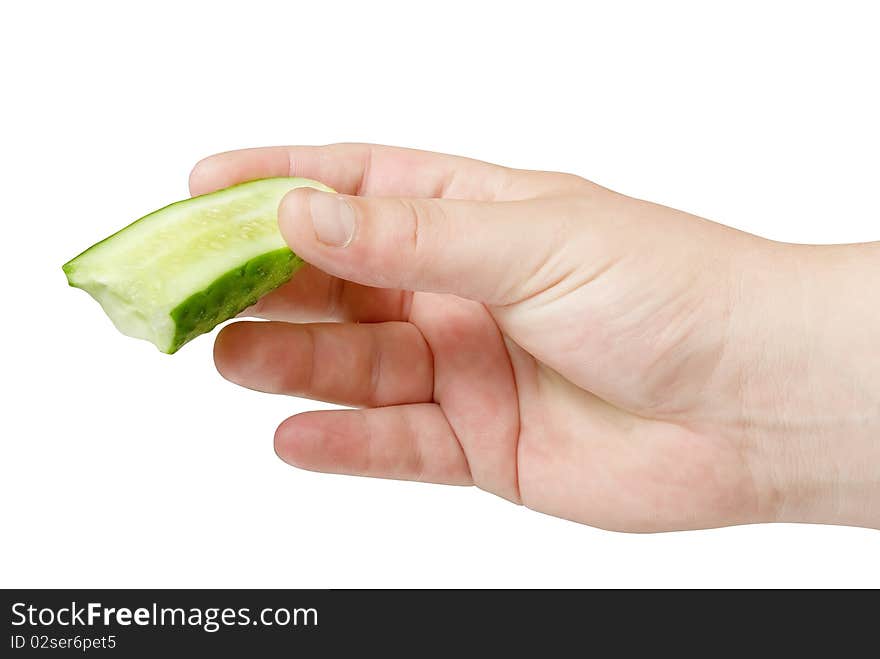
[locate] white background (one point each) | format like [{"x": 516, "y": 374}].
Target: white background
[{"x": 121, "y": 466}]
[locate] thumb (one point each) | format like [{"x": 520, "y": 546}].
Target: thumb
[{"x": 493, "y": 252}]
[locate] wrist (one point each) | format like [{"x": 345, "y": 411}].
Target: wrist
[{"x": 821, "y": 439}]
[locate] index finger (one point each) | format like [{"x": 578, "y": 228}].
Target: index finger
[{"x": 359, "y": 169}]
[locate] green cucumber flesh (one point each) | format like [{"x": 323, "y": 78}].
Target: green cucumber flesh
[{"x": 180, "y": 271}]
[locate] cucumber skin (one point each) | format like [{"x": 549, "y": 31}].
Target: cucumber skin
[{"x": 230, "y": 294}]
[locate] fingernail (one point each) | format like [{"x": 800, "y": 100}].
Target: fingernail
[{"x": 333, "y": 219}]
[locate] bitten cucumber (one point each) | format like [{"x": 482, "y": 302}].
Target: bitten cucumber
[{"x": 181, "y": 270}]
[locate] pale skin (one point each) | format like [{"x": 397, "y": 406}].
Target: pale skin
[{"x": 586, "y": 354}]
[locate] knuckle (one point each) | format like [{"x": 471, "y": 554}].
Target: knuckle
[
  {"x": 414, "y": 221},
  {"x": 400, "y": 238},
  {"x": 571, "y": 181},
  {"x": 408, "y": 246}
]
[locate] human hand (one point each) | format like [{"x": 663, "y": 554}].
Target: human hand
[{"x": 589, "y": 355}]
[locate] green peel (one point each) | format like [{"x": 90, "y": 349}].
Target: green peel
[{"x": 180, "y": 271}]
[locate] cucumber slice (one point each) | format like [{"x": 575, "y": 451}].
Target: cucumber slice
[{"x": 179, "y": 271}]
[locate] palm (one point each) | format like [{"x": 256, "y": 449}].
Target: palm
[{"x": 531, "y": 435}]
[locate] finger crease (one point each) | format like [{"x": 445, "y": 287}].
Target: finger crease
[
  {"x": 367, "y": 456},
  {"x": 415, "y": 230},
  {"x": 335, "y": 293},
  {"x": 445, "y": 184},
  {"x": 405, "y": 305},
  {"x": 375, "y": 374},
  {"x": 365, "y": 173},
  {"x": 311, "y": 361}
]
